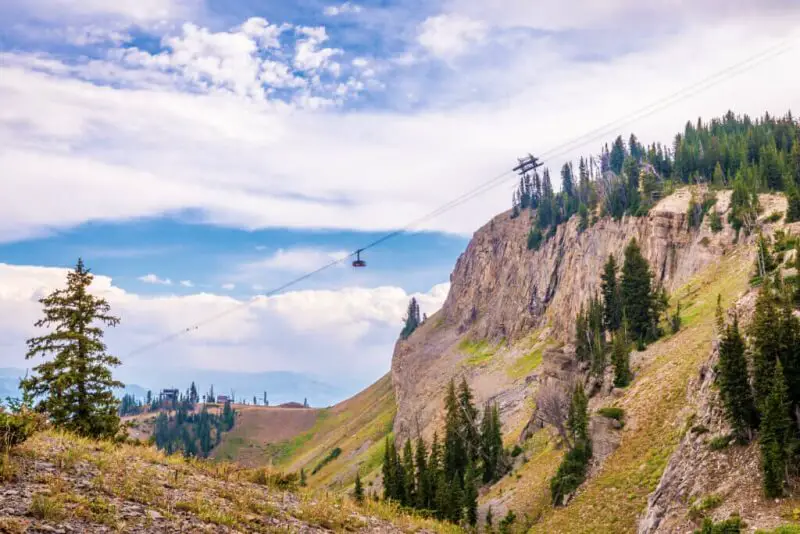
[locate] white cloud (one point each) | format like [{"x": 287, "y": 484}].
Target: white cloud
[
  {"x": 255, "y": 164},
  {"x": 228, "y": 287},
  {"x": 308, "y": 54},
  {"x": 153, "y": 279},
  {"x": 295, "y": 260},
  {"x": 342, "y": 9},
  {"x": 135, "y": 11},
  {"x": 450, "y": 35},
  {"x": 306, "y": 331},
  {"x": 187, "y": 283}
]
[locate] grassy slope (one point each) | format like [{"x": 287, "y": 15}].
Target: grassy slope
[
  {"x": 358, "y": 426},
  {"x": 613, "y": 499},
  {"x": 57, "y": 479}
]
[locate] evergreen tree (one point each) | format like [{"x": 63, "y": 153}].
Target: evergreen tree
[
  {"x": 584, "y": 181},
  {"x": 771, "y": 175},
  {"x": 455, "y": 456},
  {"x": 412, "y": 319},
  {"x": 578, "y": 417},
  {"x": 620, "y": 357},
  {"x": 193, "y": 396},
  {"x": 389, "y": 471},
  {"x": 733, "y": 382},
  {"x": 766, "y": 345},
  {"x": 567, "y": 180},
  {"x": 149, "y": 397},
  {"x": 468, "y": 423},
  {"x": 636, "y": 292},
  {"x": 774, "y": 435},
  {"x": 612, "y": 300},
  {"x": 302, "y": 477},
  {"x": 75, "y": 387},
  {"x": 358, "y": 491},
  {"x": 491, "y": 443},
  {"x": 424, "y": 486},
  {"x": 617, "y": 157},
  {"x": 719, "y": 177},
  {"x": 409, "y": 489},
  {"x": 470, "y": 496}
]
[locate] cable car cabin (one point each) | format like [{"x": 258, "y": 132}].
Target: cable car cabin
[{"x": 358, "y": 262}]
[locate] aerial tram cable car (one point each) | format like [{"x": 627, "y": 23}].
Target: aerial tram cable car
[{"x": 358, "y": 262}]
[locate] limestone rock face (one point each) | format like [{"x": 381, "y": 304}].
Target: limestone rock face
[{"x": 504, "y": 293}]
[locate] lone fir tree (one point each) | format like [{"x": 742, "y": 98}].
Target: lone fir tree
[
  {"x": 358, "y": 490},
  {"x": 75, "y": 387},
  {"x": 412, "y": 319}
]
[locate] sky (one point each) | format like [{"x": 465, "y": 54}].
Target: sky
[{"x": 198, "y": 153}]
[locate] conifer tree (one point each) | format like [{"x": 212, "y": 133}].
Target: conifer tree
[
  {"x": 412, "y": 319},
  {"x": 423, "y": 480},
  {"x": 491, "y": 443},
  {"x": 75, "y": 387},
  {"x": 765, "y": 344},
  {"x": 193, "y": 396},
  {"x": 733, "y": 382},
  {"x": 409, "y": 489},
  {"x": 719, "y": 177},
  {"x": 302, "y": 477},
  {"x": 612, "y": 300},
  {"x": 455, "y": 456},
  {"x": 358, "y": 491},
  {"x": 774, "y": 435},
  {"x": 470, "y": 496},
  {"x": 636, "y": 292},
  {"x": 390, "y": 482},
  {"x": 567, "y": 180},
  {"x": 620, "y": 357},
  {"x": 617, "y": 157}
]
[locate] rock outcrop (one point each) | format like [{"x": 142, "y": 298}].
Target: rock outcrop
[{"x": 502, "y": 292}]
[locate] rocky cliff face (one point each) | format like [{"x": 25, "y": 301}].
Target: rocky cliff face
[{"x": 516, "y": 298}]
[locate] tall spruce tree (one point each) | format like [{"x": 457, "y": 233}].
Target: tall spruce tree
[
  {"x": 620, "y": 357},
  {"x": 358, "y": 490},
  {"x": 636, "y": 292},
  {"x": 424, "y": 494},
  {"x": 412, "y": 319},
  {"x": 75, "y": 387},
  {"x": 734, "y": 385},
  {"x": 409, "y": 488},
  {"x": 774, "y": 435},
  {"x": 612, "y": 300},
  {"x": 455, "y": 456},
  {"x": 389, "y": 471},
  {"x": 491, "y": 443},
  {"x": 765, "y": 343},
  {"x": 468, "y": 424},
  {"x": 617, "y": 157},
  {"x": 470, "y": 496}
]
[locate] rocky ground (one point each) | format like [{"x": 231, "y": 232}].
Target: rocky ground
[{"x": 62, "y": 484}]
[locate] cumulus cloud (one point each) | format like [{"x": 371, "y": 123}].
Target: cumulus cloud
[
  {"x": 253, "y": 164},
  {"x": 450, "y": 35},
  {"x": 294, "y": 260},
  {"x": 305, "y": 331},
  {"x": 342, "y": 9},
  {"x": 153, "y": 279}
]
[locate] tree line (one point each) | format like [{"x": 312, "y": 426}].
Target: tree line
[
  {"x": 444, "y": 478},
  {"x": 749, "y": 156}
]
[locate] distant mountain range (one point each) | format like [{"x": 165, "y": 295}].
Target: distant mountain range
[{"x": 9, "y": 385}]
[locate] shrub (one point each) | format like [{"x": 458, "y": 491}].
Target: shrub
[
  {"x": 734, "y": 525},
  {"x": 709, "y": 502},
  {"x": 16, "y": 428},
  {"x": 612, "y": 412},
  {"x": 535, "y": 239},
  {"x": 274, "y": 479},
  {"x": 516, "y": 451},
  {"x": 774, "y": 217},
  {"x": 46, "y": 508},
  {"x": 720, "y": 442},
  {"x": 331, "y": 456},
  {"x": 715, "y": 222}
]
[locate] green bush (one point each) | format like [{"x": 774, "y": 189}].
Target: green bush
[
  {"x": 535, "y": 239},
  {"x": 715, "y": 222},
  {"x": 709, "y": 502},
  {"x": 734, "y": 525},
  {"x": 331, "y": 456},
  {"x": 612, "y": 412},
  {"x": 16, "y": 428},
  {"x": 719, "y": 443},
  {"x": 516, "y": 451},
  {"x": 774, "y": 217}
]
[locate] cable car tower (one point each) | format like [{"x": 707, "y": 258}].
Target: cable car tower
[{"x": 527, "y": 165}]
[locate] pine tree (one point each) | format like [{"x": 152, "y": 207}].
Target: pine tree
[
  {"x": 612, "y": 300},
  {"x": 423, "y": 480},
  {"x": 567, "y": 180},
  {"x": 468, "y": 421},
  {"x": 719, "y": 177},
  {"x": 620, "y": 357},
  {"x": 491, "y": 443},
  {"x": 774, "y": 435},
  {"x": 412, "y": 319},
  {"x": 636, "y": 292},
  {"x": 358, "y": 490},
  {"x": 470, "y": 496},
  {"x": 455, "y": 456},
  {"x": 75, "y": 387},
  {"x": 409, "y": 488},
  {"x": 766, "y": 345},
  {"x": 302, "y": 477},
  {"x": 733, "y": 382},
  {"x": 388, "y": 470},
  {"x": 193, "y": 396},
  {"x": 578, "y": 417},
  {"x": 617, "y": 157}
]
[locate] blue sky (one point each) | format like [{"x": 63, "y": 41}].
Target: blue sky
[{"x": 197, "y": 153}]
